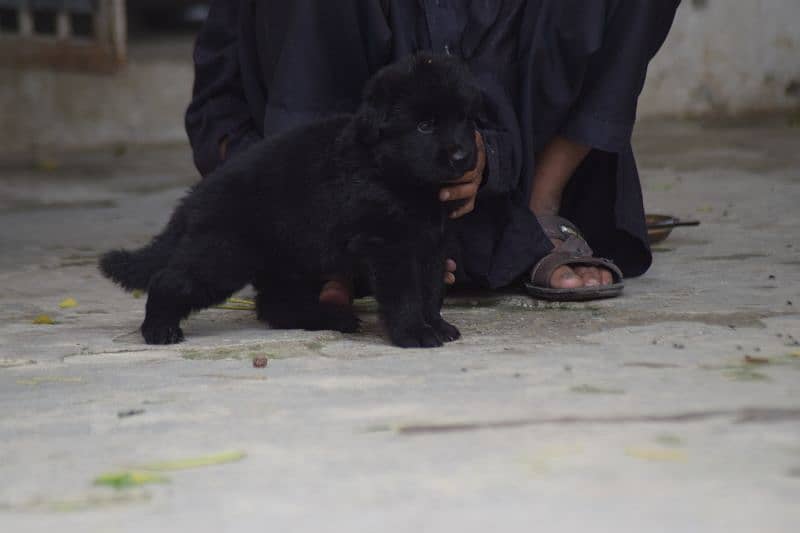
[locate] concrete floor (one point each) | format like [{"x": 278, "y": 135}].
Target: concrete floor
[{"x": 674, "y": 408}]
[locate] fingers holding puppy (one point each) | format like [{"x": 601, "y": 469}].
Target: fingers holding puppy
[{"x": 449, "y": 274}]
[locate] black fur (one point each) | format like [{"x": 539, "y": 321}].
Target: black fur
[{"x": 353, "y": 193}]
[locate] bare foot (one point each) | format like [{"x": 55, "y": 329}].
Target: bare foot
[{"x": 336, "y": 291}]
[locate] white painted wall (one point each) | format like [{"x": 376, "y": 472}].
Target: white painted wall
[{"x": 727, "y": 56}]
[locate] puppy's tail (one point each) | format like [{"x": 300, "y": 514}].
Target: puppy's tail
[{"x": 134, "y": 269}]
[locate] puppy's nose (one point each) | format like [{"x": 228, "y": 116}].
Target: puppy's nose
[{"x": 457, "y": 153}]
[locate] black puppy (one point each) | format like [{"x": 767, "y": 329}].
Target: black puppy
[{"x": 353, "y": 193}]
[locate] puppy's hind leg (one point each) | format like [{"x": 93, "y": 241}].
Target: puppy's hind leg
[
  {"x": 168, "y": 302},
  {"x": 297, "y": 306},
  {"x": 204, "y": 271}
]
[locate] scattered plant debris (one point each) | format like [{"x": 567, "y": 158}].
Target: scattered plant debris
[
  {"x": 195, "y": 462},
  {"x": 43, "y": 320},
  {"x": 656, "y": 454},
  {"x": 746, "y": 374},
  {"x": 11, "y": 362},
  {"x": 648, "y": 364},
  {"x": 83, "y": 503},
  {"x": 68, "y": 303},
  {"x": 669, "y": 440},
  {"x": 129, "y": 478},
  {"x": 49, "y": 379},
  {"x": 591, "y": 389},
  {"x": 237, "y": 304},
  {"x": 129, "y": 413}
]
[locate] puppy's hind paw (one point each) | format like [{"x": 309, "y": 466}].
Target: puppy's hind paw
[
  {"x": 162, "y": 334},
  {"x": 419, "y": 337},
  {"x": 447, "y": 332}
]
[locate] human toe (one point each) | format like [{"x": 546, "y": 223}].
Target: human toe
[{"x": 565, "y": 278}]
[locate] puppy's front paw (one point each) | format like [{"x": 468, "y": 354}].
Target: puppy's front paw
[
  {"x": 162, "y": 334},
  {"x": 418, "y": 337},
  {"x": 447, "y": 332}
]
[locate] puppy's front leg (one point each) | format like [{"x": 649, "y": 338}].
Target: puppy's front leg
[
  {"x": 432, "y": 270},
  {"x": 396, "y": 280}
]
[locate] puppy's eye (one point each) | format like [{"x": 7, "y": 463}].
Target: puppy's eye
[{"x": 426, "y": 127}]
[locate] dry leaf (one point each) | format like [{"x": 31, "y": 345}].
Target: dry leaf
[
  {"x": 657, "y": 454},
  {"x": 68, "y": 303},
  {"x": 44, "y": 320},
  {"x": 195, "y": 462}
]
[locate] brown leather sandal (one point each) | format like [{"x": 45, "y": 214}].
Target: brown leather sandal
[{"x": 573, "y": 251}]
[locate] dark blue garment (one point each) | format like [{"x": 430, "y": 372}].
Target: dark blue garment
[{"x": 547, "y": 67}]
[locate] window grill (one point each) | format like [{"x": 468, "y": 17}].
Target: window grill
[{"x": 84, "y": 35}]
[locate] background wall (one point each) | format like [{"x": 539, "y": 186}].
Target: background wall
[
  {"x": 722, "y": 57},
  {"x": 728, "y": 57}
]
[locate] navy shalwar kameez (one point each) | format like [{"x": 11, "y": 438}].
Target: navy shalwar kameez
[{"x": 573, "y": 68}]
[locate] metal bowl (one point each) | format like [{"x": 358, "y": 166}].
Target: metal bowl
[{"x": 660, "y": 226}]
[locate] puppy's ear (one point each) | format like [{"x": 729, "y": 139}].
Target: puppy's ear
[{"x": 378, "y": 95}]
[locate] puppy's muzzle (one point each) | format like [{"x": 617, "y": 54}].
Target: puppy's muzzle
[{"x": 462, "y": 159}]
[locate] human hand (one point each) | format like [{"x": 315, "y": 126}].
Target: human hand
[
  {"x": 465, "y": 189},
  {"x": 450, "y": 272}
]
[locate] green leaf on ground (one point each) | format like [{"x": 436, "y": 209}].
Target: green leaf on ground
[
  {"x": 50, "y": 379},
  {"x": 746, "y": 374},
  {"x": 81, "y": 503},
  {"x": 242, "y": 301},
  {"x": 669, "y": 440},
  {"x": 195, "y": 462},
  {"x": 237, "y": 304},
  {"x": 129, "y": 478}
]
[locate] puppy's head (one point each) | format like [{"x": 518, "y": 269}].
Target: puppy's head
[{"x": 418, "y": 119}]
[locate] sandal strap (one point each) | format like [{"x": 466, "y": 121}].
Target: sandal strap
[
  {"x": 556, "y": 227},
  {"x": 573, "y": 250},
  {"x": 573, "y": 242}
]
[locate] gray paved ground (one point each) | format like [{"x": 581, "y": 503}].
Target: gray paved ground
[{"x": 639, "y": 414}]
